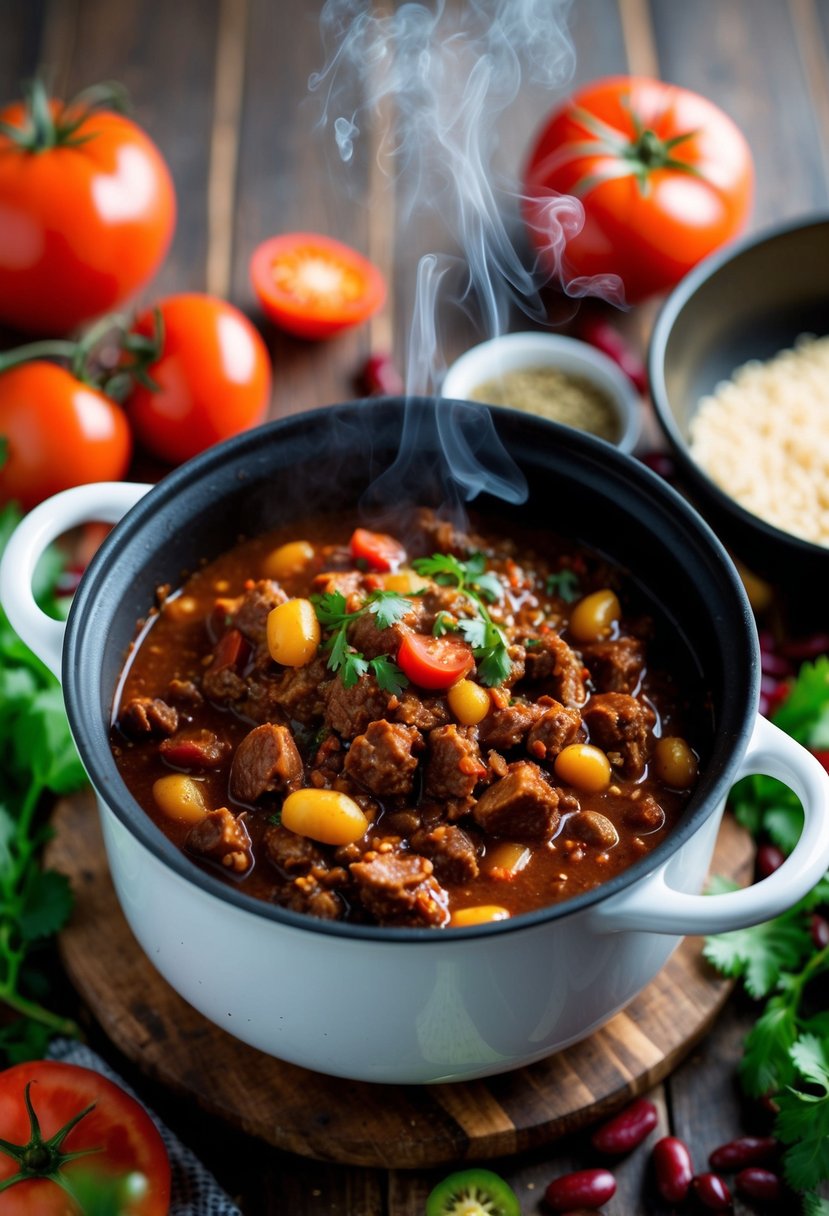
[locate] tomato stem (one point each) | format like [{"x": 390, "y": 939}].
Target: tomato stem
[
  {"x": 49, "y": 348},
  {"x": 48, "y": 124},
  {"x": 40, "y": 1158}
]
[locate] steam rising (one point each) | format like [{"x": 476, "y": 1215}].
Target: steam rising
[{"x": 429, "y": 84}]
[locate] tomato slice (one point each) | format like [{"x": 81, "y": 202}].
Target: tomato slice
[
  {"x": 382, "y": 552},
  {"x": 434, "y": 662},
  {"x": 314, "y": 286},
  {"x": 473, "y": 1192}
]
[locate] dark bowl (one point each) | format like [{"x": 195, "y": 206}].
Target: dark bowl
[{"x": 748, "y": 301}]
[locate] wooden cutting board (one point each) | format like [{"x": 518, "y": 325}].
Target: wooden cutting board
[{"x": 364, "y": 1124}]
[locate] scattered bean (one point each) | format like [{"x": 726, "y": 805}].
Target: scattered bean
[
  {"x": 627, "y": 1129},
  {"x": 380, "y": 378},
  {"x": 590, "y": 1188},
  {"x": 769, "y": 858},
  {"x": 746, "y": 1150},
  {"x": 819, "y": 929},
  {"x": 711, "y": 1192},
  {"x": 757, "y": 1183},
  {"x": 673, "y": 1168}
]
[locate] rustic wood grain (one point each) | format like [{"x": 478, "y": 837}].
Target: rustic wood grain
[{"x": 350, "y": 1122}]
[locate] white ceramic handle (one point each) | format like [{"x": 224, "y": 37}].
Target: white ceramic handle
[
  {"x": 655, "y": 907},
  {"x": 106, "y": 501}
]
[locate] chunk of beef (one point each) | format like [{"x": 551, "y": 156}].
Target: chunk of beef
[
  {"x": 423, "y": 712},
  {"x": 557, "y": 727},
  {"x": 381, "y": 760},
  {"x": 644, "y": 815},
  {"x": 251, "y": 617},
  {"x": 559, "y": 668},
  {"x": 222, "y": 681},
  {"x": 266, "y": 761},
  {"x": 349, "y": 710},
  {"x": 616, "y": 665},
  {"x": 436, "y": 535},
  {"x": 300, "y": 692},
  {"x": 311, "y": 883},
  {"x": 194, "y": 749},
  {"x": 327, "y": 763},
  {"x": 591, "y": 828},
  {"x": 507, "y": 725},
  {"x": 186, "y": 692},
  {"x": 620, "y": 725},
  {"x": 522, "y": 805},
  {"x": 450, "y": 851},
  {"x": 454, "y": 766},
  {"x": 349, "y": 583},
  {"x": 307, "y": 894},
  {"x": 222, "y": 838},
  {"x": 371, "y": 641},
  {"x": 148, "y": 716},
  {"x": 399, "y": 889},
  {"x": 289, "y": 853}
]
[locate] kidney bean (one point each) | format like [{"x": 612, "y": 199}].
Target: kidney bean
[
  {"x": 673, "y": 1168},
  {"x": 819, "y": 929},
  {"x": 627, "y": 1129},
  {"x": 757, "y": 1183},
  {"x": 712, "y": 1192},
  {"x": 769, "y": 858},
  {"x": 747, "y": 1150},
  {"x": 584, "y": 1188},
  {"x": 380, "y": 378},
  {"x": 822, "y": 758},
  {"x": 607, "y": 338}
]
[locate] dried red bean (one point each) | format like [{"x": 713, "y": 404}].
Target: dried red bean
[
  {"x": 756, "y": 1183},
  {"x": 626, "y": 1130},
  {"x": 380, "y": 378},
  {"x": 747, "y": 1150},
  {"x": 606, "y": 338},
  {"x": 769, "y": 858},
  {"x": 584, "y": 1188},
  {"x": 819, "y": 929},
  {"x": 711, "y": 1191},
  {"x": 673, "y": 1168}
]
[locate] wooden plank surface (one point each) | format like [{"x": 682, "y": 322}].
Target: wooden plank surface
[{"x": 221, "y": 85}]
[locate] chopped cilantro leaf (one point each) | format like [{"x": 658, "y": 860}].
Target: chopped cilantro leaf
[
  {"x": 444, "y": 623},
  {"x": 388, "y": 675},
  {"x": 564, "y": 584}
]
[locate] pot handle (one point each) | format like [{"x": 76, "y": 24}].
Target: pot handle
[
  {"x": 655, "y": 907},
  {"x": 106, "y": 501}
]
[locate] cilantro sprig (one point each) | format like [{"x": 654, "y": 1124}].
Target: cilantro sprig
[
  {"x": 786, "y": 1053},
  {"x": 479, "y": 585},
  {"x": 37, "y": 758},
  {"x": 387, "y": 608}
]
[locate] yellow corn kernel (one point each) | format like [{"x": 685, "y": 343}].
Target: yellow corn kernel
[
  {"x": 584, "y": 767},
  {"x": 288, "y": 560},
  {"x": 674, "y": 762},
  {"x": 593, "y": 616},
  {"x": 480, "y": 914},
  {"x": 293, "y": 633},
  {"x": 506, "y": 859},
  {"x": 180, "y": 798},
  {"x": 469, "y": 702},
  {"x": 324, "y": 815},
  {"x": 404, "y": 582}
]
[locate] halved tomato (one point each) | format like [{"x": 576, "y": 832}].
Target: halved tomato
[
  {"x": 314, "y": 286},
  {"x": 434, "y": 662},
  {"x": 377, "y": 549}
]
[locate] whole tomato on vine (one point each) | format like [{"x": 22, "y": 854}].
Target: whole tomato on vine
[
  {"x": 664, "y": 176},
  {"x": 87, "y": 210}
]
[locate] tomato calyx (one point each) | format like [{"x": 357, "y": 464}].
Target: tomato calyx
[
  {"x": 638, "y": 157},
  {"x": 48, "y": 124},
  {"x": 40, "y": 1158}
]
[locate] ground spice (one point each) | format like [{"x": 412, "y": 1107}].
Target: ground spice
[{"x": 556, "y": 395}]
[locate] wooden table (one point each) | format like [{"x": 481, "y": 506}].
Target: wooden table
[{"x": 222, "y": 87}]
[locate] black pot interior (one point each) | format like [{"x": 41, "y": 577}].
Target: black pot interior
[
  {"x": 736, "y": 307},
  {"x": 326, "y": 460}
]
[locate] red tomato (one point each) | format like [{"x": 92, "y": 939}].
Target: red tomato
[
  {"x": 213, "y": 378},
  {"x": 314, "y": 286},
  {"x": 382, "y": 552},
  {"x": 129, "y": 1167},
  {"x": 83, "y": 224},
  {"x": 58, "y": 433},
  {"x": 434, "y": 662},
  {"x": 665, "y": 178}
]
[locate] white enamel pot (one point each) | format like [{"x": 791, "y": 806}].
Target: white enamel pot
[{"x": 411, "y": 1005}]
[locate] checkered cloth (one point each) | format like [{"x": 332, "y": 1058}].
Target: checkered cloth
[{"x": 195, "y": 1191}]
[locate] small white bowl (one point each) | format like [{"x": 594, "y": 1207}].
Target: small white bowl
[{"x": 512, "y": 352}]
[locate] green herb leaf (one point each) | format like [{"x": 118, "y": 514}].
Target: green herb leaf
[
  {"x": 353, "y": 667},
  {"x": 47, "y": 902},
  {"x": 766, "y": 1064},
  {"x": 759, "y": 954},
  {"x": 388, "y": 607},
  {"x": 444, "y": 568},
  {"x": 813, "y": 1205},
  {"x": 803, "y": 1121},
  {"x": 330, "y": 608},
  {"x": 565, "y": 584},
  {"x": 494, "y": 666},
  {"x": 388, "y": 675},
  {"x": 444, "y": 623},
  {"x": 474, "y": 631}
]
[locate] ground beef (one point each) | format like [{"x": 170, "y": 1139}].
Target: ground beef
[
  {"x": 349, "y": 710},
  {"x": 506, "y": 725},
  {"x": 521, "y": 806},
  {"x": 557, "y": 727},
  {"x": 559, "y": 668},
  {"x": 186, "y": 692},
  {"x": 423, "y": 712},
  {"x": 327, "y": 763},
  {"x": 450, "y": 851},
  {"x": 382, "y": 759},
  {"x": 148, "y": 716},
  {"x": 222, "y": 838},
  {"x": 290, "y": 853},
  {"x": 194, "y": 749},
  {"x": 454, "y": 765},
  {"x": 615, "y": 666},
  {"x": 299, "y": 692},
  {"x": 399, "y": 888},
  {"x": 265, "y": 762},
  {"x": 620, "y": 725}
]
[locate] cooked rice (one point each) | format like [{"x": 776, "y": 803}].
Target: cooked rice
[{"x": 763, "y": 437}]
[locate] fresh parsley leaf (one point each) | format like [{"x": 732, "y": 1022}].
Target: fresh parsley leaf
[
  {"x": 444, "y": 568},
  {"x": 23, "y": 1040},
  {"x": 766, "y": 1064},
  {"x": 806, "y": 707},
  {"x": 388, "y": 607},
  {"x": 784, "y": 825},
  {"x": 565, "y": 584},
  {"x": 444, "y": 623},
  {"x": 353, "y": 667},
  {"x": 490, "y": 586},
  {"x": 474, "y": 631},
  {"x": 487, "y": 640},
  {"x": 47, "y": 902},
  {"x": 388, "y": 675},
  {"x": 759, "y": 954},
  {"x": 494, "y": 666},
  {"x": 813, "y": 1205},
  {"x": 803, "y": 1121},
  {"x": 330, "y": 608}
]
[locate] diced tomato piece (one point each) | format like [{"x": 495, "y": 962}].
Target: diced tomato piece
[
  {"x": 434, "y": 662},
  {"x": 231, "y": 651},
  {"x": 381, "y": 551}
]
